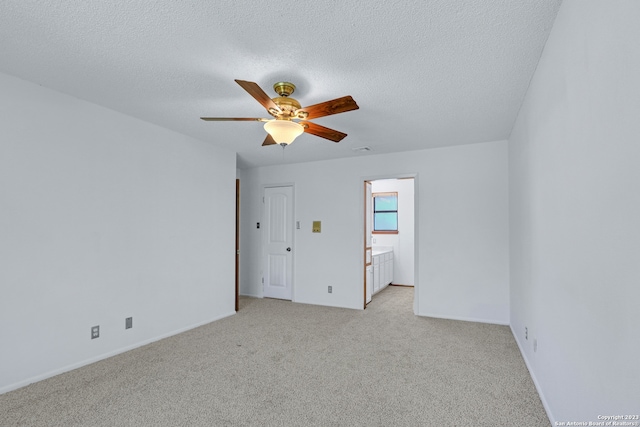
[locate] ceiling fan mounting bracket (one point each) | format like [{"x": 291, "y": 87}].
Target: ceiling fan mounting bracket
[{"x": 284, "y": 88}]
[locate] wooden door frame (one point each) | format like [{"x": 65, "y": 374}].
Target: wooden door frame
[{"x": 237, "y": 242}]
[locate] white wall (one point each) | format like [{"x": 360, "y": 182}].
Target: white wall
[
  {"x": 103, "y": 217},
  {"x": 461, "y": 227},
  {"x": 403, "y": 242},
  {"x": 575, "y": 209}
]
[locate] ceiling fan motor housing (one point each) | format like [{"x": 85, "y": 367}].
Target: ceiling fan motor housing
[{"x": 288, "y": 106}]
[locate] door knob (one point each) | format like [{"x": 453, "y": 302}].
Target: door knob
[{"x": 288, "y": 249}]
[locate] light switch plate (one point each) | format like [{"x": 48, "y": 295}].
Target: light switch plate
[{"x": 316, "y": 227}]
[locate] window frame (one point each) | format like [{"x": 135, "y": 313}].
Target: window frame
[{"x": 373, "y": 212}]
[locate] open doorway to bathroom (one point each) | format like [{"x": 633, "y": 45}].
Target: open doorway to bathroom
[{"x": 390, "y": 235}]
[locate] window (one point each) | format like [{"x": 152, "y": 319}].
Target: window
[{"x": 385, "y": 213}]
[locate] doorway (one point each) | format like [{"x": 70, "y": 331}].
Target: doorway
[
  {"x": 390, "y": 232},
  {"x": 278, "y": 242}
]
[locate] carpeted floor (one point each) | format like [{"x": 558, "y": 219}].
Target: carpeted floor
[{"x": 277, "y": 363}]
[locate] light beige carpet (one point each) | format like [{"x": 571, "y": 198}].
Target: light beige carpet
[{"x": 278, "y": 363}]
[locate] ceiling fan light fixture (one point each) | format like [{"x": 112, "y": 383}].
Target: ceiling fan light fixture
[{"x": 283, "y": 131}]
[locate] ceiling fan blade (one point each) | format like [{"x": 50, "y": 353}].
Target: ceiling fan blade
[
  {"x": 323, "y": 132},
  {"x": 269, "y": 141},
  {"x": 260, "y": 95},
  {"x": 335, "y": 106},
  {"x": 234, "y": 119}
]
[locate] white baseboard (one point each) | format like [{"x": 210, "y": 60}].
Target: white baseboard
[
  {"x": 466, "y": 319},
  {"x": 535, "y": 380},
  {"x": 250, "y": 295},
  {"x": 91, "y": 360}
]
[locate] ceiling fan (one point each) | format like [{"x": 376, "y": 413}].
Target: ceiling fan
[{"x": 290, "y": 119}]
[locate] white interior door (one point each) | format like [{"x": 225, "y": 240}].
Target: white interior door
[
  {"x": 278, "y": 242},
  {"x": 367, "y": 244}
]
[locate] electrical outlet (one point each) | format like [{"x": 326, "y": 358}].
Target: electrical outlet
[
  {"x": 526, "y": 333},
  {"x": 128, "y": 323},
  {"x": 535, "y": 345},
  {"x": 330, "y": 289},
  {"x": 95, "y": 332}
]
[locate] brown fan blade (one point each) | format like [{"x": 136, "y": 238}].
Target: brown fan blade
[
  {"x": 234, "y": 119},
  {"x": 269, "y": 141},
  {"x": 323, "y": 132},
  {"x": 255, "y": 91},
  {"x": 335, "y": 106}
]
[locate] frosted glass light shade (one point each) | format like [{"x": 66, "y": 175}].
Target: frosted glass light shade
[{"x": 283, "y": 131}]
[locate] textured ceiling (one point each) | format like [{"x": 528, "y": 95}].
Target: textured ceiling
[{"x": 425, "y": 73}]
